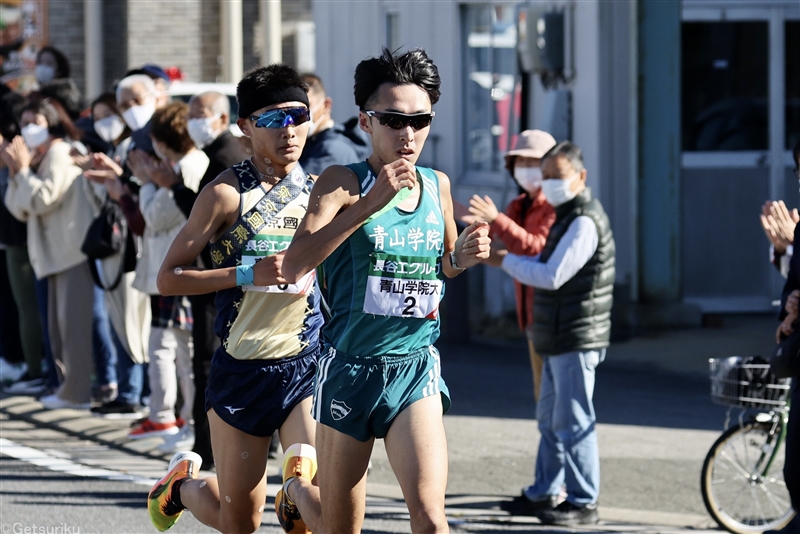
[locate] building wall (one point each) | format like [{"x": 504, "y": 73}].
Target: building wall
[
  {"x": 167, "y": 34},
  {"x": 602, "y": 101},
  {"x": 65, "y": 32}
]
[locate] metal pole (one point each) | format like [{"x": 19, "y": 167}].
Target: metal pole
[
  {"x": 93, "y": 47},
  {"x": 272, "y": 47},
  {"x": 232, "y": 45}
]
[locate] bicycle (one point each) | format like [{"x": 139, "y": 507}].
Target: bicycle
[{"x": 742, "y": 478}]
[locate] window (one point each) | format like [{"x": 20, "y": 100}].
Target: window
[
  {"x": 491, "y": 93},
  {"x": 392, "y": 30},
  {"x": 725, "y": 81}
]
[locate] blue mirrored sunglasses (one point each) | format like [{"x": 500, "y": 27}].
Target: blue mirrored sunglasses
[{"x": 281, "y": 118}]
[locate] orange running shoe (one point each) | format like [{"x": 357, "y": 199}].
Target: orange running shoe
[
  {"x": 164, "y": 512},
  {"x": 300, "y": 460}
]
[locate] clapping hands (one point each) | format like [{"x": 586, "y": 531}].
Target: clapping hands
[{"x": 779, "y": 223}]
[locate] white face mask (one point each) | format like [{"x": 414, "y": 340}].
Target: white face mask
[
  {"x": 110, "y": 128},
  {"x": 136, "y": 117},
  {"x": 528, "y": 178},
  {"x": 44, "y": 73},
  {"x": 558, "y": 192},
  {"x": 35, "y": 135},
  {"x": 201, "y": 130}
]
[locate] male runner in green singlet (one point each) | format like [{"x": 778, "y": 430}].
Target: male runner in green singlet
[
  {"x": 384, "y": 233},
  {"x": 261, "y": 377}
]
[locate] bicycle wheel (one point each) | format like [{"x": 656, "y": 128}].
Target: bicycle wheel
[{"x": 736, "y": 492}]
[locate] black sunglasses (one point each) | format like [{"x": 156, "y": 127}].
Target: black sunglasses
[{"x": 398, "y": 121}]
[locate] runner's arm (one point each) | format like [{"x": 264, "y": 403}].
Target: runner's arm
[
  {"x": 472, "y": 246},
  {"x": 216, "y": 207},
  {"x": 336, "y": 210}
]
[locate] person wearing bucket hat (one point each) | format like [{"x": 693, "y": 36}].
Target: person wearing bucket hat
[{"x": 524, "y": 226}]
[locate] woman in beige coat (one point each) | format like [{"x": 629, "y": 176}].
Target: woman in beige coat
[{"x": 53, "y": 200}]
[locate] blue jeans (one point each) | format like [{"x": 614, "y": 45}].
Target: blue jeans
[
  {"x": 102, "y": 345},
  {"x": 568, "y": 453},
  {"x": 48, "y": 362},
  {"x": 129, "y": 374}
]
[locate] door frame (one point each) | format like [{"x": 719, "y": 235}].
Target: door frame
[{"x": 777, "y": 157}]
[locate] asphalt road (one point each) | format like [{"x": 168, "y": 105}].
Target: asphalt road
[{"x": 654, "y": 425}]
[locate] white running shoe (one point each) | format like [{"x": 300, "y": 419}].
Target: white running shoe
[{"x": 54, "y": 402}]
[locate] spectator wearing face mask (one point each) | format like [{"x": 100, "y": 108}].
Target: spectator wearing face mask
[
  {"x": 209, "y": 117},
  {"x": 49, "y": 192},
  {"x": 524, "y": 227},
  {"x": 170, "y": 345},
  {"x": 51, "y": 64},
  {"x": 128, "y": 308},
  {"x": 328, "y": 143}
]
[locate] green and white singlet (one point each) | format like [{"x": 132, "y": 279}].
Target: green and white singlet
[{"x": 384, "y": 284}]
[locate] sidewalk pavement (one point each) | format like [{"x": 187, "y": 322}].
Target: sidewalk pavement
[{"x": 479, "y": 480}]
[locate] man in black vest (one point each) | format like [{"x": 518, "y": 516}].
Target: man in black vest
[{"x": 574, "y": 280}]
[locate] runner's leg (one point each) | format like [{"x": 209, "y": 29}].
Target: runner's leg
[
  {"x": 299, "y": 427},
  {"x": 234, "y": 500},
  {"x": 342, "y": 476},
  {"x": 417, "y": 448}
]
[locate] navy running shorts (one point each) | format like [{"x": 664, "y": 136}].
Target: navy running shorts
[{"x": 256, "y": 396}]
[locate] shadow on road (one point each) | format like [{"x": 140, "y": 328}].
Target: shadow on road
[{"x": 495, "y": 381}]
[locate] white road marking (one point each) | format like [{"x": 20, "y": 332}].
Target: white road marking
[{"x": 63, "y": 465}]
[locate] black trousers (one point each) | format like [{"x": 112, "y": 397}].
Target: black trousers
[
  {"x": 205, "y": 343},
  {"x": 791, "y": 466},
  {"x": 10, "y": 343}
]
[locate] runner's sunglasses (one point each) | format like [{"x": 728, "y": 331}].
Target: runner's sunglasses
[
  {"x": 281, "y": 118},
  {"x": 398, "y": 121}
]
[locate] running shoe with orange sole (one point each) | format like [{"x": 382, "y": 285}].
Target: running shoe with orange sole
[
  {"x": 148, "y": 429},
  {"x": 164, "y": 512},
  {"x": 300, "y": 460}
]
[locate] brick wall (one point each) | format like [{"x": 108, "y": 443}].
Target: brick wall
[
  {"x": 167, "y": 34},
  {"x": 65, "y": 28},
  {"x": 183, "y": 33},
  {"x": 115, "y": 41}
]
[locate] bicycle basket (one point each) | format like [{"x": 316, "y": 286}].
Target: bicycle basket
[{"x": 747, "y": 383}]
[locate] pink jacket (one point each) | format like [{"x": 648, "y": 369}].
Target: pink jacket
[{"x": 523, "y": 229}]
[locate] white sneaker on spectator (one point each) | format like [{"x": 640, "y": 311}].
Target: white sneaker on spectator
[
  {"x": 27, "y": 386},
  {"x": 54, "y": 402},
  {"x": 11, "y": 372},
  {"x": 182, "y": 441}
]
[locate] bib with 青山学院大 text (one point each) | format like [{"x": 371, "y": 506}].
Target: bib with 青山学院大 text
[{"x": 384, "y": 284}]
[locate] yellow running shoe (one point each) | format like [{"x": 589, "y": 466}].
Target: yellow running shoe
[
  {"x": 164, "y": 512},
  {"x": 300, "y": 460}
]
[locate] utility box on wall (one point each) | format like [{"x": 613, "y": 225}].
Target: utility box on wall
[{"x": 541, "y": 42}]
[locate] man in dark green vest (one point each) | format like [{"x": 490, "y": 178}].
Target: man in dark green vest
[{"x": 574, "y": 281}]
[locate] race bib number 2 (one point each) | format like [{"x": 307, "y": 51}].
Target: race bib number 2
[
  {"x": 261, "y": 246},
  {"x": 403, "y": 286}
]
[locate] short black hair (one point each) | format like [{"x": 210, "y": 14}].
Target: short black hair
[
  {"x": 314, "y": 83},
  {"x": 58, "y": 122},
  {"x": 11, "y": 104},
  {"x": 265, "y": 86},
  {"x": 569, "y": 150},
  {"x": 413, "y": 67},
  {"x": 62, "y": 68}
]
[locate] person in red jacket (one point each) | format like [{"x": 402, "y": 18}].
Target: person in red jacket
[{"x": 523, "y": 228}]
